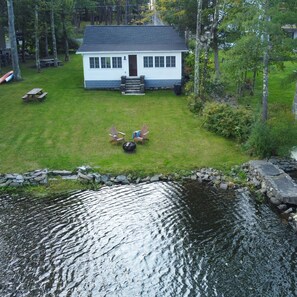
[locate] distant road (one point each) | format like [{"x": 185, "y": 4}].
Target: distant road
[{"x": 155, "y": 18}]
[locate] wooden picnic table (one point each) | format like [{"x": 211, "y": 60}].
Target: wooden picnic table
[
  {"x": 49, "y": 62},
  {"x": 35, "y": 94}
]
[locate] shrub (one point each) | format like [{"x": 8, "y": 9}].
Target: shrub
[
  {"x": 274, "y": 138},
  {"x": 284, "y": 133},
  {"x": 195, "y": 103},
  {"x": 189, "y": 87},
  {"x": 215, "y": 88},
  {"x": 228, "y": 121},
  {"x": 260, "y": 143}
]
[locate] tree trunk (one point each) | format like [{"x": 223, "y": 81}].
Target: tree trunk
[
  {"x": 126, "y": 12},
  {"x": 265, "y": 65},
  {"x": 119, "y": 12},
  {"x": 12, "y": 37},
  {"x": 216, "y": 56},
  {"x": 37, "y": 55},
  {"x": 92, "y": 18},
  {"x": 254, "y": 79},
  {"x": 197, "y": 49},
  {"x": 205, "y": 64},
  {"x": 46, "y": 41},
  {"x": 215, "y": 42},
  {"x": 2, "y": 38},
  {"x": 77, "y": 20},
  {"x": 110, "y": 13},
  {"x": 105, "y": 15},
  {"x": 23, "y": 51},
  {"x": 65, "y": 35},
  {"x": 54, "y": 35},
  {"x": 295, "y": 103},
  {"x": 265, "y": 87}
]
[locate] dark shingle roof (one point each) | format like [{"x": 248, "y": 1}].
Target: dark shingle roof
[{"x": 131, "y": 38}]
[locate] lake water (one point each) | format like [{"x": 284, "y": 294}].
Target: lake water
[{"x": 158, "y": 239}]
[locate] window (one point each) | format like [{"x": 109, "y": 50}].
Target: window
[
  {"x": 148, "y": 62},
  {"x": 105, "y": 62},
  {"x": 94, "y": 62},
  {"x": 159, "y": 61},
  {"x": 170, "y": 61},
  {"x": 117, "y": 62}
]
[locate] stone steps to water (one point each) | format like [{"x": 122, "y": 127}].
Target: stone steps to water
[{"x": 280, "y": 187}]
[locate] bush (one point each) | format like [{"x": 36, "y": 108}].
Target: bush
[
  {"x": 215, "y": 88},
  {"x": 275, "y": 138},
  {"x": 189, "y": 87},
  {"x": 195, "y": 103},
  {"x": 260, "y": 142},
  {"x": 284, "y": 133},
  {"x": 228, "y": 121}
]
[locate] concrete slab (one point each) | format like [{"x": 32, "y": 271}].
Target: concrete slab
[
  {"x": 266, "y": 168},
  {"x": 285, "y": 187},
  {"x": 271, "y": 170},
  {"x": 280, "y": 184}
]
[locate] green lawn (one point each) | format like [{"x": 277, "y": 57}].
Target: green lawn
[
  {"x": 281, "y": 92},
  {"x": 70, "y": 128}
]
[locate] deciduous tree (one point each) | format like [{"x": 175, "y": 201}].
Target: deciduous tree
[{"x": 12, "y": 37}]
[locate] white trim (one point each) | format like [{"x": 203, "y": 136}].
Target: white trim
[{"x": 125, "y": 52}]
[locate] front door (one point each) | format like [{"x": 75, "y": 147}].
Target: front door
[{"x": 132, "y": 65}]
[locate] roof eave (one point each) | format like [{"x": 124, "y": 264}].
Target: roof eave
[{"x": 131, "y": 51}]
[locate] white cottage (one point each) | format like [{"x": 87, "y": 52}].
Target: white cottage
[{"x": 113, "y": 55}]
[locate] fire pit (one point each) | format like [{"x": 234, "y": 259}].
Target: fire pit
[{"x": 129, "y": 147}]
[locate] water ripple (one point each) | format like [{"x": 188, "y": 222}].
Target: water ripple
[{"x": 159, "y": 239}]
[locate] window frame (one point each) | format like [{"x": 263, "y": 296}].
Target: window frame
[
  {"x": 170, "y": 61},
  {"x": 117, "y": 62},
  {"x": 105, "y": 62},
  {"x": 159, "y": 62},
  {"x": 94, "y": 62},
  {"x": 148, "y": 62}
]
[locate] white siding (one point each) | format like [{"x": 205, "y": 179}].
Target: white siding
[
  {"x": 104, "y": 73},
  {"x": 168, "y": 73},
  {"x": 160, "y": 73}
]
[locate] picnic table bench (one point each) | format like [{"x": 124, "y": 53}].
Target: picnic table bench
[
  {"x": 35, "y": 94},
  {"x": 49, "y": 62}
]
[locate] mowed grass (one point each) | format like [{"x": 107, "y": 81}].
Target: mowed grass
[
  {"x": 281, "y": 92},
  {"x": 70, "y": 128}
]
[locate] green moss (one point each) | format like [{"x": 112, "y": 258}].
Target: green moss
[{"x": 54, "y": 187}]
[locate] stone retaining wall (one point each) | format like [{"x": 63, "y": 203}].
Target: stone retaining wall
[{"x": 85, "y": 174}]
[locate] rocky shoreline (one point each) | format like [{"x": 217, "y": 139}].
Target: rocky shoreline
[
  {"x": 86, "y": 174},
  {"x": 241, "y": 179}
]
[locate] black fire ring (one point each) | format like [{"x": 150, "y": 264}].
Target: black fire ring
[{"x": 129, "y": 147}]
